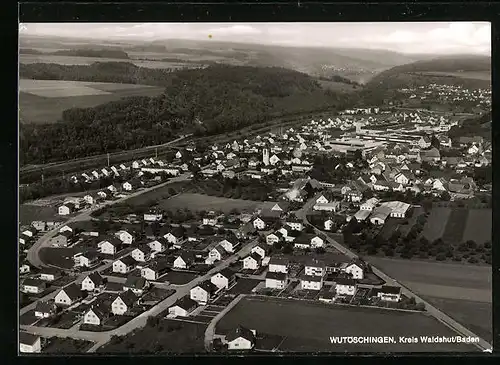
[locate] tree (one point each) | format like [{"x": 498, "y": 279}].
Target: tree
[
  {"x": 440, "y": 257},
  {"x": 320, "y": 250},
  {"x": 287, "y": 249}
]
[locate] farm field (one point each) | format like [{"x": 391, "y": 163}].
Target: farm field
[
  {"x": 168, "y": 336},
  {"x": 198, "y": 202},
  {"x": 43, "y": 101},
  {"x": 336, "y": 86},
  {"x": 476, "y": 316},
  {"x": 66, "y": 346},
  {"x": 457, "y": 225},
  {"x": 306, "y": 330},
  {"x": 479, "y": 226},
  {"x": 74, "y": 60},
  {"x": 178, "y": 277}
]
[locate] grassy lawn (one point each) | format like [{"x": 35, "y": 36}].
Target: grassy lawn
[
  {"x": 455, "y": 225},
  {"x": 198, "y": 202},
  {"x": 478, "y": 227},
  {"x": 29, "y": 213},
  {"x": 28, "y": 318},
  {"x": 66, "y": 346},
  {"x": 305, "y": 325},
  {"x": 178, "y": 277},
  {"x": 61, "y": 257},
  {"x": 436, "y": 223},
  {"x": 167, "y": 336}
]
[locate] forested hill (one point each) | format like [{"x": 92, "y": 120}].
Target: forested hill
[
  {"x": 201, "y": 101},
  {"x": 118, "y": 72},
  {"x": 102, "y": 53}
]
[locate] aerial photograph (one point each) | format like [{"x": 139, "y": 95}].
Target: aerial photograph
[{"x": 254, "y": 188}]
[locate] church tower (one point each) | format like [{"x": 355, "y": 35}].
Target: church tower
[{"x": 265, "y": 156}]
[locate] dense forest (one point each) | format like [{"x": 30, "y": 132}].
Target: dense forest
[
  {"x": 199, "y": 101},
  {"x": 117, "y": 72},
  {"x": 103, "y": 53}
]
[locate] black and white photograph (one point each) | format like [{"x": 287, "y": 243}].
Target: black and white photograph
[{"x": 255, "y": 188}]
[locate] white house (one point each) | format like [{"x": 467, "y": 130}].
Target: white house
[
  {"x": 223, "y": 279},
  {"x": 123, "y": 303},
  {"x": 276, "y": 280},
  {"x": 64, "y": 210},
  {"x": 183, "y": 261},
  {"x": 311, "y": 282},
  {"x": 33, "y": 286},
  {"x": 315, "y": 268},
  {"x": 216, "y": 253},
  {"x": 92, "y": 281},
  {"x": 252, "y": 262},
  {"x": 278, "y": 265},
  {"x": 203, "y": 292},
  {"x": 142, "y": 254},
  {"x": 273, "y": 238},
  {"x": 29, "y": 344},
  {"x": 45, "y": 309},
  {"x": 345, "y": 286},
  {"x": 68, "y": 295},
  {"x": 182, "y": 307},
  {"x": 355, "y": 270},
  {"x": 241, "y": 339},
  {"x": 124, "y": 265},
  {"x": 260, "y": 250},
  {"x": 259, "y": 223},
  {"x": 390, "y": 293},
  {"x": 95, "y": 316},
  {"x": 159, "y": 245},
  {"x": 124, "y": 237}
]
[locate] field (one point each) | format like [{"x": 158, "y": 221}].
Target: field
[
  {"x": 29, "y": 213},
  {"x": 59, "y": 257},
  {"x": 306, "y": 329},
  {"x": 199, "y": 202},
  {"x": 464, "y": 292},
  {"x": 478, "y": 75},
  {"x": 168, "y": 336},
  {"x": 178, "y": 277},
  {"x": 456, "y": 225},
  {"x": 43, "y": 101},
  {"x": 336, "y": 86},
  {"x": 72, "y": 60}
]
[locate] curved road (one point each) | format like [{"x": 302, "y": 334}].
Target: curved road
[
  {"x": 431, "y": 310},
  {"x": 101, "y": 338},
  {"x": 44, "y": 241}
]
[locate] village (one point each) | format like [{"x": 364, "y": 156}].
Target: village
[{"x": 365, "y": 167}]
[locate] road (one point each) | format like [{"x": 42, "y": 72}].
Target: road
[
  {"x": 44, "y": 241},
  {"x": 431, "y": 310},
  {"x": 101, "y": 338}
]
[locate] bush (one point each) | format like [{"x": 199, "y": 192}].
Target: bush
[
  {"x": 457, "y": 258},
  {"x": 441, "y": 257},
  {"x": 420, "y": 306},
  {"x": 473, "y": 260}
]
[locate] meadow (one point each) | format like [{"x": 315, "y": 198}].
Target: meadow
[
  {"x": 199, "y": 202},
  {"x": 302, "y": 325},
  {"x": 43, "y": 101},
  {"x": 477, "y": 75}
]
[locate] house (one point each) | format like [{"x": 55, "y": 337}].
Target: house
[
  {"x": 63, "y": 239},
  {"x": 124, "y": 265},
  {"x": 66, "y": 209},
  {"x": 89, "y": 199},
  {"x": 332, "y": 206},
  {"x": 68, "y": 295},
  {"x": 228, "y": 244},
  {"x": 278, "y": 265},
  {"x": 276, "y": 280},
  {"x": 109, "y": 246},
  {"x": 92, "y": 281},
  {"x": 153, "y": 216},
  {"x": 390, "y": 293},
  {"x": 30, "y": 232},
  {"x": 124, "y": 237},
  {"x": 123, "y": 303},
  {"x": 260, "y": 250},
  {"x": 431, "y": 155},
  {"x": 39, "y": 225},
  {"x": 380, "y": 214},
  {"x": 210, "y": 219},
  {"x": 402, "y": 178},
  {"x": 308, "y": 282},
  {"x": 33, "y": 286},
  {"x": 203, "y": 292},
  {"x": 153, "y": 271},
  {"x": 315, "y": 268},
  {"x": 252, "y": 262},
  {"x": 184, "y": 261},
  {"x": 95, "y": 316},
  {"x": 240, "y": 339},
  {"x": 273, "y": 238},
  {"x": 369, "y": 205},
  {"x": 142, "y": 254},
  {"x": 137, "y": 284},
  {"x": 345, "y": 286},
  {"x": 175, "y": 236},
  {"x": 49, "y": 274},
  {"x": 29, "y": 344},
  {"x": 294, "y": 223},
  {"x": 182, "y": 307},
  {"x": 159, "y": 245},
  {"x": 45, "y": 309},
  {"x": 130, "y": 185},
  {"x": 24, "y": 269},
  {"x": 355, "y": 269},
  {"x": 397, "y": 209},
  {"x": 223, "y": 279},
  {"x": 216, "y": 253},
  {"x": 86, "y": 259}
]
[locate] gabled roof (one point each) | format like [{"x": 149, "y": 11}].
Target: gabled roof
[
  {"x": 96, "y": 278},
  {"x": 33, "y": 282},
  {"x": 44, "y": 307},
  {"x": 345, "y": 281},
  {"x": 127, "y": 297},
  {"x": 276, "y": 275},
  {"x": 389, "y": 289},
  {"x": 26, "y": 338},
  {"x": 227, "y": 273},
  {"x": 208, "y": 286},
  {"x": 72, "y": 291},
  {"x": 240, "y": 332},
  {"x": 114, "y": 241},
  {"x": 128, "y": 260},
  {"x": 278, "y": 261},
  {"x": 185, "y": 303}
]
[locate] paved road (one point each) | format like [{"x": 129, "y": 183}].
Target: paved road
[
  {"x": 101, "y": 338},
  {"x": 44, "y": 241},
  {"x": 433, "y": 311}
]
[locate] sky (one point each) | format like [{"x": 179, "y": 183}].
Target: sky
[{"x": 428, "y": 37}]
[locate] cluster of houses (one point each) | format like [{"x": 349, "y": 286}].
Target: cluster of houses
[{"x": 449, "y": 94}]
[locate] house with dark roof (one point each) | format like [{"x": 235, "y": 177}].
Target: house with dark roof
[
  {"x": 45, "y": 309},
  {"x": 137, "y": 284},
  {"x": 184, "y": 261},
  {"x": 28, "y": 343},
  {"x": 155, "y": 270},
  {"x": 124, "y": 265},
  {"x": 276, "y": 280},
  {"x": 68, "y": 295},
  {"x": 252, "y": 262},
  {"x": 390, "y": 293},
  {"x": 33, "y": 286},
  {"x": 123, "y": 303},
  {"x": 277, "y": 264},
  {"x": 241, "y": 338},
  {"x": 202, "y": 293},
  {"x": 182, "y": 307},
  {"x": 95, "y": 315},
  {"x": 223, "y": 279},
  {"x": 345, "y": 286}
]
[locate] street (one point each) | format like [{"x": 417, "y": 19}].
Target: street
[{"x": 433, "y": 311}]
